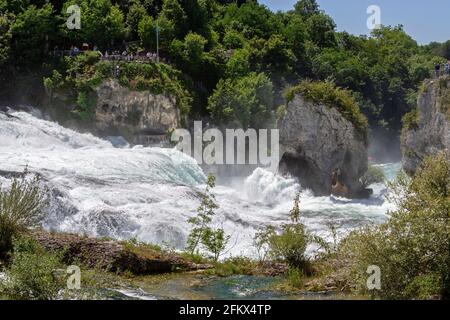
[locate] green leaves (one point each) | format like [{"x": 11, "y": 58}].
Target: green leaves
[
  {"x": 101, "y": 22},
  {"x": 202, "y": 233},
  {"x": 21, "y": 208},
  {"x": 248, "y": 101},
  {"x": 412, "y": 247}
]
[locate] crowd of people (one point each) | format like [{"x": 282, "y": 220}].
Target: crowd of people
[
  {"x": 113, "y": 54},
  {"x": 438, "y": 71},
  {"x": 129, "y": 56}
]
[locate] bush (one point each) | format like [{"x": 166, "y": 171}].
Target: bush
[
  {"x": 20, "y": 209},
  {"x": 235, "y": 266},
  {"x": 373, "y": 175},
  {"x": 411, "y": 120},
  {"x": 412, "y": 248},
  {"x": 289, "y": 245},
  {"x": 31, "y": 275},
  {"x": 328, "y": 94}
]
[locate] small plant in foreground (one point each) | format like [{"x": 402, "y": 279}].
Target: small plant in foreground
[
  {"x": 290, "y": 244},
  {"x": 21, "y": 208},
  {"x": 202, "y": 234},
  {"x": 32, "y": 273}
]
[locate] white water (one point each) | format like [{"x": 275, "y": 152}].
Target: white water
[{"x": 149, "y": 193}]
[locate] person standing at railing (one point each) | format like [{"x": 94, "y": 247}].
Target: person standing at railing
[
  {"x": 447, "y": 68},
  {"x": 437, "y": 70}
]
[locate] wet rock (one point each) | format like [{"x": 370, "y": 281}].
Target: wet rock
[{"x": 315, "y": 140}]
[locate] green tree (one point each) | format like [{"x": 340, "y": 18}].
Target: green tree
[
  {"x": 247, "y": 102},
  {"x": 215, "y": 241},
  {"x": 296, "y": 34},
  {"x": 321, "y": 29},
  {"x": 101, "y": 22},
  {"x": 306, "y": 8},
  {"x": 147, "y": 32},
  {"x": 290, "y": 243},
  {"x": 135, "y": 14},
  {"x": 174, "y": 14},
  {"x": 32, "y": 31}
]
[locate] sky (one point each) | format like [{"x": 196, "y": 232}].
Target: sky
[{"x": 424, "y": 20}]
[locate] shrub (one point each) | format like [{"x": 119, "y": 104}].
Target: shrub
[
  {"x": 412, "y": 248},
  {"x": 289, "y": 245},
  {"x": 281, "y": 111},
  {"x": 20, "y": 209},
  {"x": 327, "y": 93},
  {"x": 411, "y": 120},
  {"x": 86, "y": 102},
  {"x": 235, "y": 266},
  {"x": 373, "y": 175},
  {"x": 31, "y": 275}
]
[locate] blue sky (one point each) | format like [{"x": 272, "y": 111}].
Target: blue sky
[{"x": 424, "y": 20}]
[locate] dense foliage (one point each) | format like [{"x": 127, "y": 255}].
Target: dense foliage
[
  {"x": 219, "y": 46},
  {"x": 412, "y": 248}
]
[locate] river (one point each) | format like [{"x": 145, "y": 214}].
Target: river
[{"x": 149, "y": 193}]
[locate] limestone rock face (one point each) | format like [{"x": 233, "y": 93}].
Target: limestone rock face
[
  {"x": 136, "y": 114},
  {"x": 431, "y": 133},
  {"x": 314, "y": 141}
]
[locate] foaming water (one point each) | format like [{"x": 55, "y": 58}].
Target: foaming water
[{"x": 150, "y": 193}]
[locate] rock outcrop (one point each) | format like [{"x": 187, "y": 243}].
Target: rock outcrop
[
  {"x": 141, "y": 117},
  {"x": 315, "y": 140},
  {"x": 428, "y": 132},
  {"x": 137, "y": 114},
  {"x": 114, "y": 256}
]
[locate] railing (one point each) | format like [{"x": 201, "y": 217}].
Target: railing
[{"x": 139, "y": 58}]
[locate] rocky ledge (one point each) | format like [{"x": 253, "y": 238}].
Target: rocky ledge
[{"x": 114, "y": 256}]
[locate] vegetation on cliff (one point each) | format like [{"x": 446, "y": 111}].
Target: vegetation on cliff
[
  {"x": 78, "y": 76},
  {"x": 216, "y": 43},
  {"x": 328, "y": 94}
]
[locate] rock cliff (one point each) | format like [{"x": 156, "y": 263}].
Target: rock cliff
[
  {"x": 141, "y": 117},
  {"x": 315, "y": 140},
  {"x": 426, "y": 130},
  {"x": 137, "y": 114}
]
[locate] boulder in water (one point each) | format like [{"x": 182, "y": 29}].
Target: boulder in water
[{"x": 315, "y": 140}]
